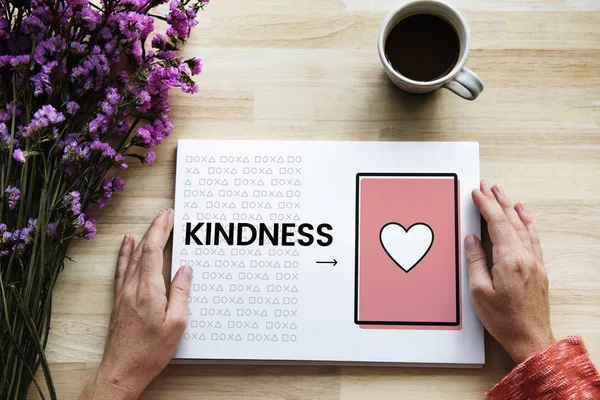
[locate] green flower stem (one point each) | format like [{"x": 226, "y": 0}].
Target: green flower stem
[{"x": 33, "y": 332}]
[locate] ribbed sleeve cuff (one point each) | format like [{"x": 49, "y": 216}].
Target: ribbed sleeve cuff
[{"x": 560, "y": 371}]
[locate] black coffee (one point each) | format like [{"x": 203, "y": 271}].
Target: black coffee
[{"x": 423, "y": 47}]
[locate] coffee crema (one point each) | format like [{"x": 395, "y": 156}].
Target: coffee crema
[{"x": 423, "y": 47}]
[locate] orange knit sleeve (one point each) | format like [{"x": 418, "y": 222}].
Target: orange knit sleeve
[{"x": 560, "y": 371}]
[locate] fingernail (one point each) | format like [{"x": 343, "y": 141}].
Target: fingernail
[
  {"x": 523, "y": 209},
  {"x": 470, "y": 242},
  {"x": 500, "y": 190},
  {"x": 161, "y": 212},
  {"x": 486, "y": 184},
  {"x": 125, "y": 239},
  {"x": 187, "y": 272}
]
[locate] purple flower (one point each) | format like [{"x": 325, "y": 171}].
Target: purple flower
[
  {"x": 74, "y": 153},
  {"x": 134, "y": 4},
  {"x": 72, "y": 201},
  {"x": 84, "y": 73},
  {"x": 45, "y": 117},
  {"x": 4, "y": 136},
  {"x": 5, "y": 60},
  {"x": 14, "y": 194},
  {"x": 137, "y": 52},
  {"x": 161, "y": 79},
  {"x": 90, "y": 217},
  {"x": 103, "y": 149},
  {"x": 163, "y": 126},
  {"x": 166, "y": 54},
  {"x": 51, "y": 230},
  {"x": 180, "y": 19},
  {"x": 98, "y": 126},
  {"x": 91, "y": 17},
  {"x": 119, "y": 159},
  {"x": 89, "y": 230},
  {"x": 92, "y": 72},
  {"x": 121, "y": 128},
  {"x": 102, "y": 201},
  {"x": 27, "y": 234},
  {"x": 54, "y": 117},
  {"x": 189, "y": 88},
  {"x": 75, "y": 3},
  {"x": 48, "y": 50},
  {"x": 18, "y": 248},
  {"x": 133, "y": 26},
  {"x": 19, "y": 155},
  {"x": 107, "y": 108},
  {"x": 20, "y": 62},
  {"x": 152, "y": 134},
  {"x": 150, "y": 157},
  {"x": 144, "y": 135},
  {"x": 195, "y": 65},
  {"x": 79, "y": 221},
  {"x": 6, "y": 237},
  {"x": 109, "y": 186},
  {"x": 143, "y": 103},
  {"x": 33, "y": 25},
  {"x": 10, "y": 108},
  {"x": 77, "y": 47},
  {"x": 72, "y": 108},
  {"x": 112, "y": 95},
  {"x": 113, "y": 184},
  {"x": 42, "y": 80},
  {"x": 159, "y": 41}
]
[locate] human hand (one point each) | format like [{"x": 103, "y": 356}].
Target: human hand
[
  {"x": 146, "y": 326},
  {"x": 511, "y": 300}
]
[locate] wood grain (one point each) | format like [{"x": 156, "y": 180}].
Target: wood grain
[{"x": 280, "y": 69}]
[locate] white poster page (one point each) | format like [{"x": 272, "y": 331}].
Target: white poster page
[{"x": 335, "y": 252}]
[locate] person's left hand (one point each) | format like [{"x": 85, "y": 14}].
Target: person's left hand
[{"x": 146, "y": 326}]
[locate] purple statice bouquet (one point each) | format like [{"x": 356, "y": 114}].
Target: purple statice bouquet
[{"x": 83, "y": 91}]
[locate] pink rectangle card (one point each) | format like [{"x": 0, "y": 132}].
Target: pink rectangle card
[{"x": 407, "y": 251}]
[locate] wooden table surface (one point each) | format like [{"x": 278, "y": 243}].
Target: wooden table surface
[{"x": 282, "y": 69}]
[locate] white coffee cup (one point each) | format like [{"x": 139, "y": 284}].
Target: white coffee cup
[{"x": 461, "y": 80}]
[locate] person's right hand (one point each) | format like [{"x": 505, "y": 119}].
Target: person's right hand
[{"x": 511, "y": 299}]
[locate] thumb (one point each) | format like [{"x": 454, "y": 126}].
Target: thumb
[
  {"x": 178, "y": 298},
  {"x": 479, "y": 274}
]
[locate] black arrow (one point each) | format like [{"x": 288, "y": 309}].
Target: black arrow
[{"x": 334, "y": 262}]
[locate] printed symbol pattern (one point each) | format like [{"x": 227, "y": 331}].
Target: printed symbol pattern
[{"x": 241, "y": 293}]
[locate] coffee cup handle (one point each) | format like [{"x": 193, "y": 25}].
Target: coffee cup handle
[{"x": 466, "y": 84}]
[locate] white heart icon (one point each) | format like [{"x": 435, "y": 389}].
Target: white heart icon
[{"x": 406, "y": 247}]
